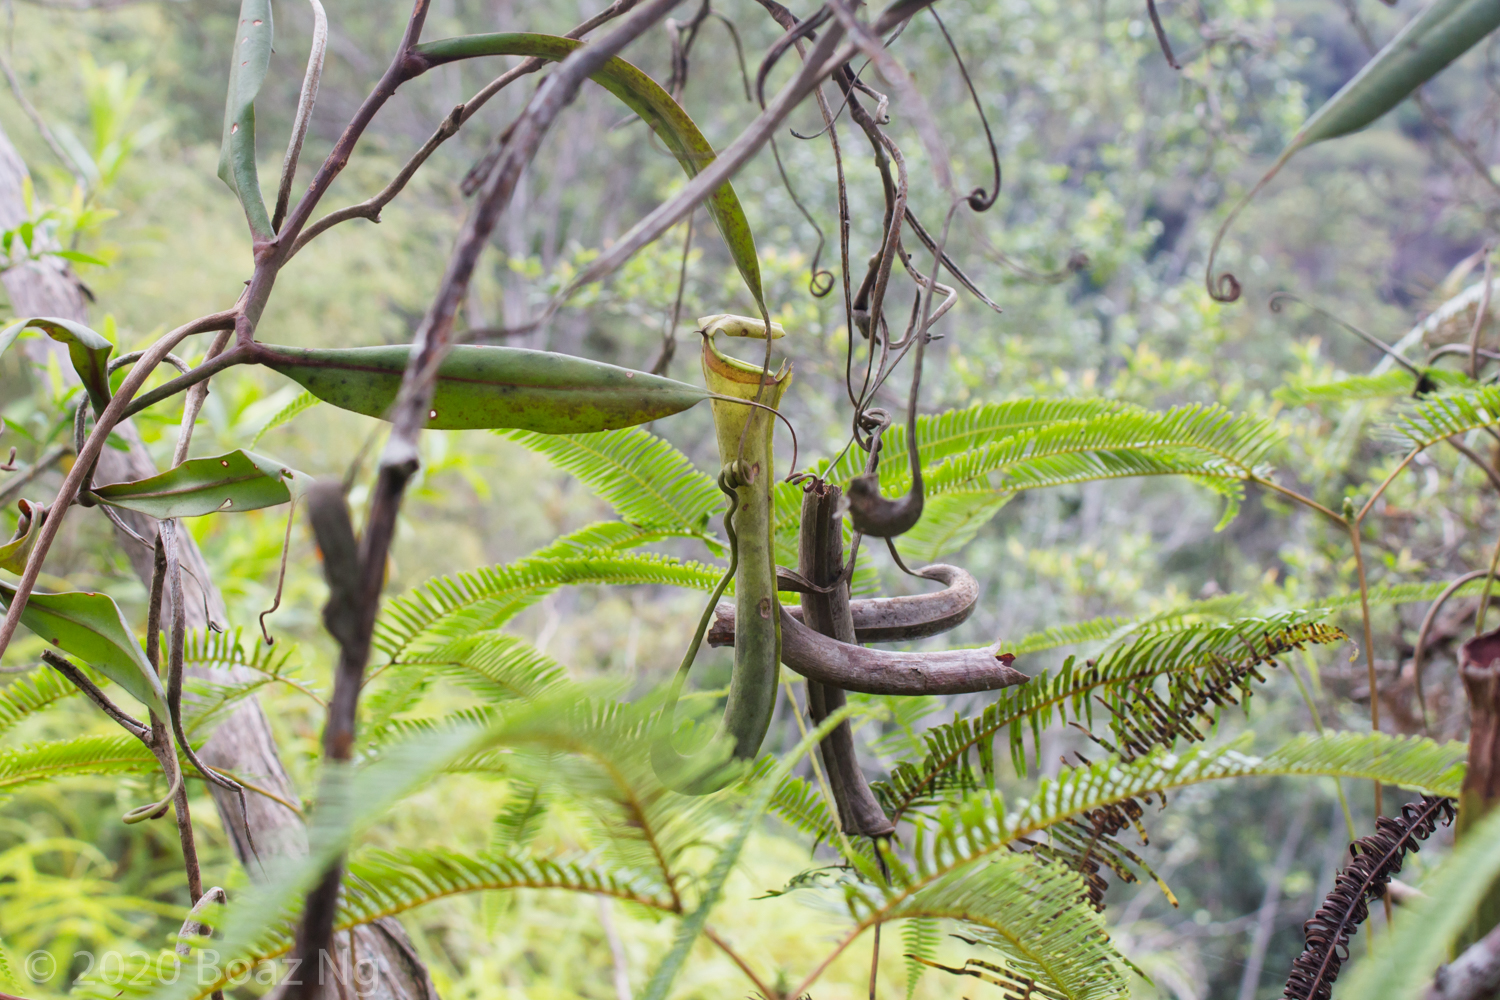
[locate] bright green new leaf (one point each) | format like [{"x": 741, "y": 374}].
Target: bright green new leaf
[
  {"x": 91, "y": 627},
  {"x": 247, "y": 71},
  {"x": 237, "y": 481},
  {"x": 646, "y": 98},
  {"x": 489, "y": 387},
  {"x": 14, "y": 553},
  {"x": 88, "y": 351}
]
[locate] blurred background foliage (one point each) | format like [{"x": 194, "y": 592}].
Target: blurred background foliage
[{"x": 1111, "y": 160}]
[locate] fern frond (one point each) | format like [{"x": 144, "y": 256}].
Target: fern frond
[
  {"x": 484, "y": 599},
  {"x": 304, "y": 401},
  {"x": 1206, "y": 441},
  {"x": 1083, "y": 807},
  {"x": 1354, "y": 388},
  {"x": 920, "y": 937},
  {"x": 384, "y": 883},
  {"x": 646, "y": 480},
  {"x": 1203, "y": 664},
  {"x": 31, "y": 693},
  {"x": 1113, "y": 628},
  {"x": 209, "y": 650},
  {"x": 1024, "y": 908},
  {"x": 495, "y": 665},
  {"x": 1432, "y": 420},
  {"x": 77, "y": 755},
  {"x": 949, "y": 522},
  {"x": 520, "y": 818},
  {"x": 943, "y": 435},
  {"x": 803, "y": 806}
]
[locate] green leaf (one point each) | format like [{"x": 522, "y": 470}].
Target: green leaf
[
  {"x": 14, "y": 553},
  {"x": 1432, "y": 420},
  {"x": 1424, "y": 931},
  {"x": 1393, "y": 384},
  {"x": 489, "y": 387},
  {"x": 247, "y": 71},
  {"x": 234, "y": 482},
  {"x": 949, "y": 522},
  {"x": 646, "y": 98},
  {"x": 713, "y": 886},
  {"x": 79, "y": 258},
  {"x": 88, "y": 351},
  {"x": 1443, "y": 31},
  {"x": 77, "y": 755},
  {"x": 647, "y": 481},
  {"x": 91, "y": 627},
  {"x": 304, "y": 401}
]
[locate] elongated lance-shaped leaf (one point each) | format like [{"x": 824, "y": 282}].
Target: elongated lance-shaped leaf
[
  {"x": 489, "y": 387},
  {"x": 234, "y": 482},
  {"x": 646, "y": 98},
  {"x": 247, "y": 71},
  {"x": 1443, "y": 31},
  {"x": 91, "y": 627},
  {"x": 1439, "y": 34},
  {"x": 88, "y": 351}
]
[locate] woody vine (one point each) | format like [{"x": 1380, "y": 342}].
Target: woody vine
[{"x": 934, "y": 842}]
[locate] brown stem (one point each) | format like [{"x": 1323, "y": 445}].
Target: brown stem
[
  {"x": 81, "y": 681},
  {"x": 770, "y": 993},
  {"x": 1364, "y": 610},
  {"x": 15, "y": 484},
  {"x": 879, "y": 671},
  {"x": 371, "y": 208},
  {"x": 821, "y": 559},
  {"x": 73, "y": 482},
  {"x": 883, "y": 619},
  {"x": 196, "y": 397},
  {"x": 356, "y": 570}
]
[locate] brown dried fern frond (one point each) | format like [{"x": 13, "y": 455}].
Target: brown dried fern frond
[
  {"x": 1013, "y": 986},
  {"x": 1377, "y": 858}
]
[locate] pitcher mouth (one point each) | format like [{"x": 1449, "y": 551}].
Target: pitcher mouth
[{"x": 735, "y": 370}]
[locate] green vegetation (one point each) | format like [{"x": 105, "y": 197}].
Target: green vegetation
[{"x": 377, "y": 630}]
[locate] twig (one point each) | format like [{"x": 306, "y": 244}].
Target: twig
[
  {"x": 15, "y": 484},
  {"x": 81, "y": 681},
  {"x": 41, "y": 124},
  {"x": 1428, "y": 620},
  {"x": 371, "y": 208},
  {"x": 356, "y": 570},
  {"x": 305, "y": 102},
  {"x": 196, "y": 396},
  {"x": 208, "y": 369},
  {"x": 823, "y": 60},
  {"x": 1161, "y": 35},
  {"x": 1480, "y": 315},
  {"x": 74, "y": 481}
]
